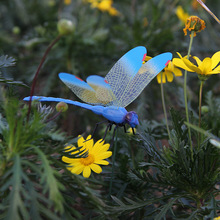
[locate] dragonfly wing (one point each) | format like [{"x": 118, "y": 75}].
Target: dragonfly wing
[
  {"x": 81, "y": 89},
  {"x": 144, "y": 76},
  {"x": 125, "y": 69},
  {"x": 102, "y": 88}
]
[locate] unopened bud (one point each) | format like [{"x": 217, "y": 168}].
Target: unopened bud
[
  {"x": 205, "y": 109},
  {"x": 61, "y": 107},
  {"x": 65, "y": 27}
]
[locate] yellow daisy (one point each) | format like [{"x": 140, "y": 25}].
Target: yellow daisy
[
  {"x": 97, "y": 153},
  {"x": 204, "y": 69},
  {"x": 168, "y": 73}
]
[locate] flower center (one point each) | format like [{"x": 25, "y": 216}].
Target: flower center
[{"x": 87, "y": 160}]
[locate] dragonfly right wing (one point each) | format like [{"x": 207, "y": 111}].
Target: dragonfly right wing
[
  {"x": 124, "y": 70},
  {"x": 80, "y": 88}
]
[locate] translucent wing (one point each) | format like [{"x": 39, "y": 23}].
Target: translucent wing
[
  {"x": 139, "y": 81},
  {"x": 87, "y": 92},
  {"x": 124, "y": 71},
  {"x": 102, "y": 88}
]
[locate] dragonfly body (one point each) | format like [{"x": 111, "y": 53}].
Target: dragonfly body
[
  {"x": 119, "y": 116},
  {"x": 109, "y": 96}
]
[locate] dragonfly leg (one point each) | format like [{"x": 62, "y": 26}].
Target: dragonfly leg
[
  {"x": 106, "y": 130},
  {"x": 125, "y": 129},
  {"x": 134, "y": 132},
  {"x": 110, "y": 127},
  {"x": 96, "y": 126}
]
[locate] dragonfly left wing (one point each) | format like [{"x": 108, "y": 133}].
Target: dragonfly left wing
[{"x": 96, "y": 91}]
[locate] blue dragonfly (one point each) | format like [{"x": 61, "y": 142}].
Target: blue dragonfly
[{"x": 109, "y": 96}]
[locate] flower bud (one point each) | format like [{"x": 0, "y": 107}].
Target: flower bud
[
  {"x": 204, "y": 109},
  {"x": 61, "y": 107},
  {"x": 65, "y": 27},
  {"x": 16, "y": 30},
  {"x": 194, "y": 24}
]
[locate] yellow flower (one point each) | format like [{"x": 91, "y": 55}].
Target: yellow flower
[
  {"x": 181, "y": 14},
  {"x": 204, "y": 69},
  {"x": 146, "y": 59},
  {"x": 97, "y": 153},
  {"x": 217, "y": 218},
  {"x": 168, "y": 73},
  {"x": 113, "y": 11},
  {"x": 67, "y": 2},
  {"x": 104, "y": 6},
  {"x": 195, "y": 24}
]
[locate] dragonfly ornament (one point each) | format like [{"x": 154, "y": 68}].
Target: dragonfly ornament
[{"x": 109, "y": 96}]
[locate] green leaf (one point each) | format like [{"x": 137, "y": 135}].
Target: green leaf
[
  {"x": 164, "y": 210},
  {"x": 51, "y": 183},
  {"x": 17, "y": 208},
  {"x": 6, "y": 61}
]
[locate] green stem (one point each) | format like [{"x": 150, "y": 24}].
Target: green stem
[
  {"x": 113, "y": 162},
  {"x": 164, "y": 106},
  {"x": 200, "y": 101},
  {"x": 200, "y": 105},
  {"x": 185, "y": 95}
]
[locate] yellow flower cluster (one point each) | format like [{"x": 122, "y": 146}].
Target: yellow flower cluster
[{"x": 104, "y": 6}]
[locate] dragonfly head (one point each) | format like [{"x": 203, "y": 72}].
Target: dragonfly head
[{"x": 132, "y": 119}]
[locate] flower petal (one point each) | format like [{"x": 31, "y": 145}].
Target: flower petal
[
  {"x": 179, "y": 63},
  {"x": 177, "y": 72},
  {"x": 206, "y": 66},
  {"x": 159, "y": 77},
  {"x": 80, "y": 141},
  {"x": 103, "y": 155},
  {"x": 89, "y": 144},
  {"x": 96, "y": 168},
  {"x": 102, "y": 162},
  {"x": 69, "y": 160},
  {"x": 100, "y": 148},
  {"x": 87, "y": 172},
  {"x": 77, "y": 170},
  {"x": 169, "y": 76},
  {"x": 215, "y": 59},
  {"x": 197, "y": 60},
  {"x": 191, "y": 66}
]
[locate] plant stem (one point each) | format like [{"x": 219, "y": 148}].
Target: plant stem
[
  {"x": 38, "y": 70},
  {"x": 200, "y": 105},
  {"x": 185, "y": 94},
  {"x": 200, "y": 101},
  {"x": 113, "y": 162},
  {"x": 164, "y": 106},
  {"x": 52, "y": 118}
]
